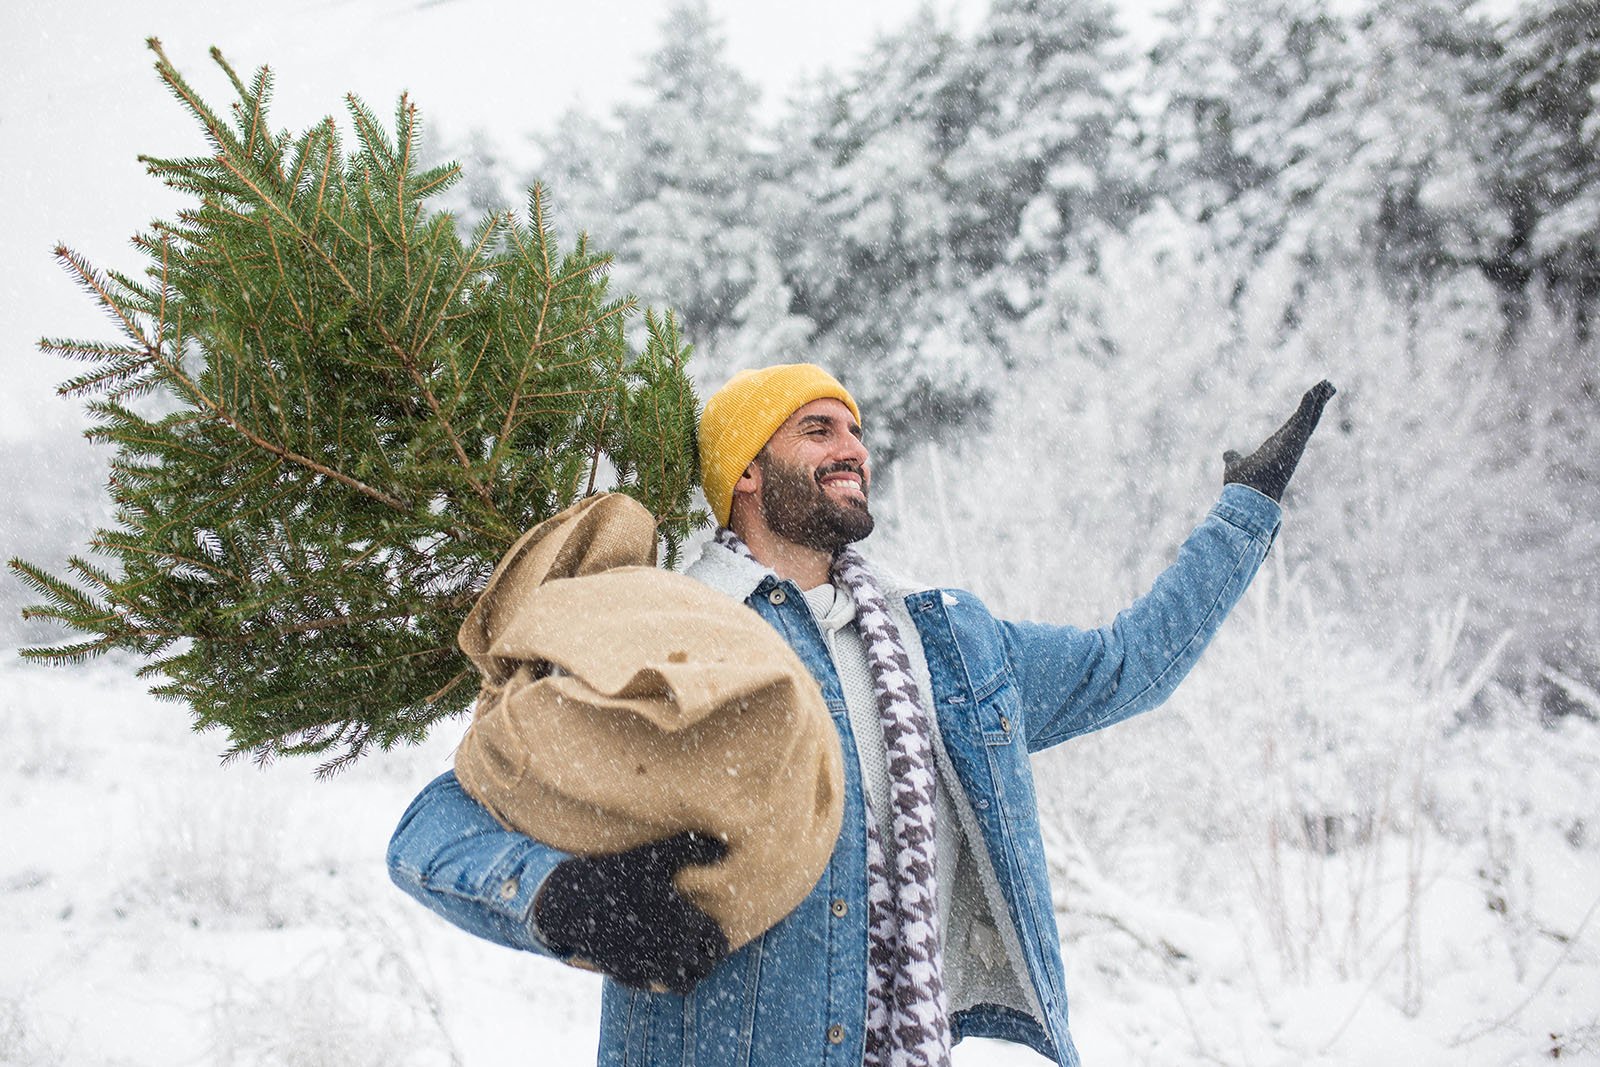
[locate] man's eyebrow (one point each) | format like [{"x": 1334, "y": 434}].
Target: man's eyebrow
[{"x": 827, "y": 420}]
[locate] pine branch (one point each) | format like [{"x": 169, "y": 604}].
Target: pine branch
[
  {"x": 282, "y": 212},
  {"x": 340, "y": 622},
  {"x": 257, "y": 99},
  {"x": 432, "y": 401},
  {"x": 70, "y": 655},
  {"x": 621, "y": 308},
  {"x": 406, "y": 121},
  {"x": 597, "y": 449},
  {"x": 67, "y": 600},
  {"x": 123, "y": 545},
  {"x": 265, "y": 445},
  {"x": 227, "y": 68},
  {"x": 438, "y": 697},
  {"x": 96, "y": 285},
  {"x": 215, "y": 129},
  {"x": 471, "y": 265}
]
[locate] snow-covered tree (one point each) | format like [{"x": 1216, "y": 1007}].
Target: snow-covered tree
[
  {"x": 1547, "y": 90},
  {"x": 1047, "y": 156},
  {"x": 882, "y": 275},
  {"x": 579, "y": 161},
  {"x": 1312, "y": 141},
  {"x": 1245, "y": 95},
  {"x": 1405, "y": 191},
  {"x": 488, "y": 183},
  {"x": 686, "y": 178}
]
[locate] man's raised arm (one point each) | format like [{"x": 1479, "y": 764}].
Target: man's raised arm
[{"x": 1073, "y": 681}]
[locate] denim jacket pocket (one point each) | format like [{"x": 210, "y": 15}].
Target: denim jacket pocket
[
  {"x": 997, "y": 710},
  {"x": 999, "y": 715}
]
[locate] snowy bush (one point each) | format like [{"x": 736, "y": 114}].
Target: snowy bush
[
  {"x": 222, "y": 860},
  {"x": 20, "y": 1044},
  {"x": 354, "y": 1002}
]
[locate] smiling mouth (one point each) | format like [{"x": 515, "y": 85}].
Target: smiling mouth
[{"x": 847, "y": 480}]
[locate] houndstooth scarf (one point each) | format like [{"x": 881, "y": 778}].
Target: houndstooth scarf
[{"x": 907, "y": 1018}]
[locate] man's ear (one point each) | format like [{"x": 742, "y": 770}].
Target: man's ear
[
  {"x": 746, "y": 496},
  {"x": 750, "y": 480}
]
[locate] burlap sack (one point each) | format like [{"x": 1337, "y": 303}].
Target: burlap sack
[{"x": 670, "y": 707}]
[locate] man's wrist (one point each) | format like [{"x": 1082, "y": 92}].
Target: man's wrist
[
  {"x": 1251, "y": 510},
  {"x": 543, "y": 922}
]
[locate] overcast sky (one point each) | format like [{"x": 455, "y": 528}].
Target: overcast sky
[{"x": 79, "y": 101}]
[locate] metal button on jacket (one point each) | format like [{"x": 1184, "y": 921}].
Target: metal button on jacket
[
  {"x": 777, "y": 596},
  {"x": 508, "y": 889},
  {"x": 840, "y": 908},
  {"x": 835, "y": 1034}
]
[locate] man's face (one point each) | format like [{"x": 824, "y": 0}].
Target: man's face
[{"x": 814, "y": 478}]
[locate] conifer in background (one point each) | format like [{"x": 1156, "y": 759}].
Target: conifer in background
[
  {"x": 331, "y": 416},
  {"x": 1546, "y": 160}
]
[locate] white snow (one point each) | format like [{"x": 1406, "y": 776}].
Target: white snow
[{"x": 159, "y": 908}]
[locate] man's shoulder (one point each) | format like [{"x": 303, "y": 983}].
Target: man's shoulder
[
  {"x": 960, "y": 605},
  {"x": 726, "y": 571}
]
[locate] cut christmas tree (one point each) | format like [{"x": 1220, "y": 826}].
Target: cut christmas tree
[{"x": 331, "y": 414}]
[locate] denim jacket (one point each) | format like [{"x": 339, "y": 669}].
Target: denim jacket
[{"x": 999, "y": 691}]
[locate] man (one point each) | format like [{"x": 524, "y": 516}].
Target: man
[{"x": 932, "y": 920}]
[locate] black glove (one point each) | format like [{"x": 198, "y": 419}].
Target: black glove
[
  {"x": 622, "y": 913},
  {"x": 1269, "y": 467}
]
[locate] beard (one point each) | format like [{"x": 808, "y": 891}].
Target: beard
[{"x": 797, "y": 508}]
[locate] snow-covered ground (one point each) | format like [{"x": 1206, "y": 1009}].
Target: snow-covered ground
[{"x": 157, "y": 908}]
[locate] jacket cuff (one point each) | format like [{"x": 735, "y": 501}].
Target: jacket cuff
[
  {"x": 1251, "y": 510},
  {"x": 510, "y": 887},
  {"x": 451, "y": 855}
]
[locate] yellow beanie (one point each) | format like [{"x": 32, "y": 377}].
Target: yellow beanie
[{"x": 743, "y": 415}]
